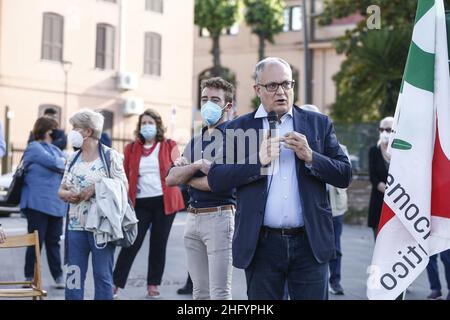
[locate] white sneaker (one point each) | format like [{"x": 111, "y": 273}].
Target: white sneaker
[{"x": 153, "y": 292}]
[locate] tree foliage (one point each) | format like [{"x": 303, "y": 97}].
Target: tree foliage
[
  {"x": 215, "y": 16},
  {"x": 266, "y": 19},
  {"x": 369, "y": 80},
  {"x": 395, "y": 14}
]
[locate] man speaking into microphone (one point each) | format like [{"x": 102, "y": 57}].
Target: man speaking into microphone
[{"x": 283, "y": 222}]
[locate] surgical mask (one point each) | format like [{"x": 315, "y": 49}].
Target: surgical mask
[
  {"x": 211, "y": 113},
  {"x": 148, "y": 131},
  {"x": 384, "y": 136},
  {"x": 75, "y": 138}
]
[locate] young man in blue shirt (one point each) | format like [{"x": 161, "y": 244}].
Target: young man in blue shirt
[{"x": 210, "y": 222}]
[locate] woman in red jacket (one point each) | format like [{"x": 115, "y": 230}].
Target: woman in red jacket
[{"x": 147, "y": 161}]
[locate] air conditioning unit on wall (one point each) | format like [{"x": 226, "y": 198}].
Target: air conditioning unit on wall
[
  {"x": 133, "y": 106},
  {"x": 127, "y": 81}
]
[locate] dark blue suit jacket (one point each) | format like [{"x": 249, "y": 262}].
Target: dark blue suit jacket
[{"x": 330, "y": 165}]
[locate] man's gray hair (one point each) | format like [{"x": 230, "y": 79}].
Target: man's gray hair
[
  {"x": 88, "y": 119},
  {"x": 261, "y": 65},
  {"x": 387, "y": 119}
]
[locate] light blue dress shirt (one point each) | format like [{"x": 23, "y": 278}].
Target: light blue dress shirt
[{"x": 283, "y": 207}]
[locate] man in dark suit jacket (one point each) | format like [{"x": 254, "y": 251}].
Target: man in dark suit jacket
[{"x": 283, "y": 223}]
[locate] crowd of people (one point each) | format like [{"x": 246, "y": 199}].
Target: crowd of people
[{"x": 275, "y": 210}]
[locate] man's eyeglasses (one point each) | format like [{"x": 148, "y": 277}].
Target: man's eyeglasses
[
  {"x": 388, "y": 130},
  {"x": 273, "y": 86}
]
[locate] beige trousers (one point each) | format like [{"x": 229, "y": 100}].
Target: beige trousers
[{"x": 207, "y": 239}]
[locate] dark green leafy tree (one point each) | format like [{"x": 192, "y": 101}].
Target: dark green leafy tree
[
  {"x": 266, "y": 19},
  {"x": 215, "y": 16},
  {"x": 395, "y": 14},
  {"x": 369, "y": 80}
]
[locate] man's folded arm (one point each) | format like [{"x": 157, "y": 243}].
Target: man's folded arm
[{"x": 222, "y": 177}]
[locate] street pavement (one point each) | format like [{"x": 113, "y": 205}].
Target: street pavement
[{"x": 357, "y": 245}]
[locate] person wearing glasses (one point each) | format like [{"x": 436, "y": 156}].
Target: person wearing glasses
[
  {"x": 283, "y": 222},
  {"x": 379, "y": 160}
]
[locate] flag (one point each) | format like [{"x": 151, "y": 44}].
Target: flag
[{"x": 415, "y": 219}]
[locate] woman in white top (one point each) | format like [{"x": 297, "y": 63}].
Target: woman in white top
[
  {"x": 85, "y": 168},
  {"x": 147, "y": 161}
]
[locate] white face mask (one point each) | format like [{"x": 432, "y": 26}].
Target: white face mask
[
  {"x": 384, "y": 137},
  {"x": 75, "y": 139}
]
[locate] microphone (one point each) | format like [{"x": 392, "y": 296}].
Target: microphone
[{"x": 272, "y": 117}]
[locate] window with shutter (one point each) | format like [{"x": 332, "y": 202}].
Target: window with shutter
[
  {"x": 152, "y": 54},
  {"x": 154, "y": 5},
  {"x": 293, "y": 18},
  {"x": 52, "y": 37},
  {"x": 105, "y": 46}
]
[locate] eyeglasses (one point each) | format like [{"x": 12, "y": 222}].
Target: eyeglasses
[
  {"x": 388, "y": 130},
  {"x": 273, "y": 86}
]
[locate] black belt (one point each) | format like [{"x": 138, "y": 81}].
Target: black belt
[
  {"x": 209, "y": 210},
  {"x": 284, "y": 231}
]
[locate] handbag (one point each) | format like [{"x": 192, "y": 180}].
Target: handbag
[{"x": 15, "y": 189}]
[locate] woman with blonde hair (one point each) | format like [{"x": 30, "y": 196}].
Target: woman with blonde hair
[{"x": 85, "y": 168}]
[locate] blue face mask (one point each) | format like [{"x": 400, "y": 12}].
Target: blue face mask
[
  {"x": 148, "y": 131},
  {"x": 211, "y": 113}
]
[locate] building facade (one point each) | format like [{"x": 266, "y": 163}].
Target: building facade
[
  {"x": 118, "y": 56},
  {"x": 239, "y": 48}
]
